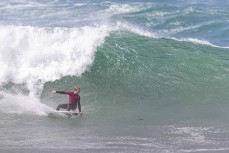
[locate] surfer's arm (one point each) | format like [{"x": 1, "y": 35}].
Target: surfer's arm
[
  {"x": 61, "y": 92},
  {"x": 79, "y": 106}
]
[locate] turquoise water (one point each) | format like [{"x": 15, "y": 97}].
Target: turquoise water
[{"x": 153, "y": 75}]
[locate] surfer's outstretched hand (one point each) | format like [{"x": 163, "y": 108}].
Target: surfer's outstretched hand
[{"x": 53, "y": 92}]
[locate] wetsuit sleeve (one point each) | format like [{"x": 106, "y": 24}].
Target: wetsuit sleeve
[
  {"x": 63, "y": 92},
  {"x": 60, "y": 92},
  {"x": 79, "y": 105}
]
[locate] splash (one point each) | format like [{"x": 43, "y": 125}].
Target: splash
[{"x": 21, "y": 104}]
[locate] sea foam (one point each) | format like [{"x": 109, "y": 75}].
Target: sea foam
[{"x": 35, "y": 55}]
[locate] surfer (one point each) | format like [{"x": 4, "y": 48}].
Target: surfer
[{"x": 74, "y": 100}]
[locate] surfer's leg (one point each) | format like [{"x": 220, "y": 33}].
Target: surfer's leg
[
  {"x": 64, "y": 106},
  {"x": 72, "y": 107}
]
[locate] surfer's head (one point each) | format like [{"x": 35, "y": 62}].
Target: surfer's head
[{"x": 76, "y": 90}]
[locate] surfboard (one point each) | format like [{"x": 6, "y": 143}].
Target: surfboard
[{"x": 68, "y": 114}]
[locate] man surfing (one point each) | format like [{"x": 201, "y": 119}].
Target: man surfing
[{"x": 74, "y": 100}]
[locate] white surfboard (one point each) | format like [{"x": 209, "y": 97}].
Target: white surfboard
[{"x": 68, "y": 114}]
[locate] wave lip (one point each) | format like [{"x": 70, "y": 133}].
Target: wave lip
[
  {"x": 198, "y": 41},
  {"x": 143, "y": 32}
]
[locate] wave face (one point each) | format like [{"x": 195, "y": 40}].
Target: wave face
[{"x": 158, "y": 79}]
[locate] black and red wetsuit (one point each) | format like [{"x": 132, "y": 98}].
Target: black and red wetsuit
[{"x": 74, "y": 100}]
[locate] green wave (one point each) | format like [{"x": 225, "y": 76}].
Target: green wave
[{"x": 132, "y": 73}]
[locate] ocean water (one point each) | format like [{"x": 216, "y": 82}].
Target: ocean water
[{"x": 154, "y": 75}]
